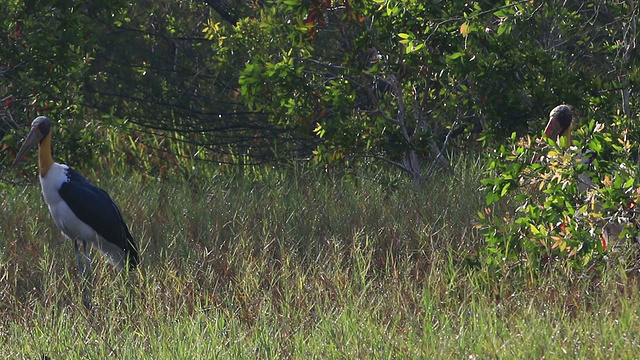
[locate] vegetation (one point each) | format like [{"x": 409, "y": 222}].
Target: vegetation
[
  {"x": 254, "y": 149},
  {"x": 340, "y": 82},
  {"x": 297, "y": 265},
  {"x": 565, "y": 204}
]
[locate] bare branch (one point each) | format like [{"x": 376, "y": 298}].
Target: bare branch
[{"x": 440, "y": 152}]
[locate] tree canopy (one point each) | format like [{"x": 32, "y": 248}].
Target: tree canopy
[{"x": 398, "y": 82}]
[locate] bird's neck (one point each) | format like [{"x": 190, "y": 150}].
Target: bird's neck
[
  {"x": 44, "y": 155},
  {"x": 567, "y": 135}
]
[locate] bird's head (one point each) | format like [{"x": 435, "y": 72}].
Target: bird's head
[
  {"x": 560, "y": 122},
  {"x": 40, "y": 128}
]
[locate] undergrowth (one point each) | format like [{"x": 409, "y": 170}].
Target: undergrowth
[
  {"x": 568, "y": 206},
  {"x": 298, "y": 263}
]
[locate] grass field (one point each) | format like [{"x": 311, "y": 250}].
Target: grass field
[{"x": 303, "y": 265}]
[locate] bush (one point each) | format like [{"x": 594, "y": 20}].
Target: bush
[{"x": 552, "y": 203}]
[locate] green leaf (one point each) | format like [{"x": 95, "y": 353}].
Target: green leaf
[
  {"x": 595, "y": 145},
  {"x": 504, "y": 28},
  {"x": 534, "y": 230},
  {"x": 505, "y": 189},
  {"x": 506, "y": 12},
  {"x": 492, "y": 197},
  {"x": 628, "y": 183}
]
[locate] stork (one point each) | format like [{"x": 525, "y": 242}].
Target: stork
[
  {"x": 85, "y": 213},
  {"x": 560, "y": 126},
  {"x": 560, "y": 123}
]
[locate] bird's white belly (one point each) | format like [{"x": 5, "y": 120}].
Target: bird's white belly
[
  {"x": 76, "y": 229},
  {"x": 70, "y": 224},
  {"x": 62, "y": 215}
]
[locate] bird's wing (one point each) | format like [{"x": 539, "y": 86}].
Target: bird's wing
[{"x": 95, "y": 208}]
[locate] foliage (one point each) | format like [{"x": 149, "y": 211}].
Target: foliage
[
  {"x": 565, "y": 202},
  {"x": 297, "y": 265},
  {"x": 351, "y": 74},
  {"x": 171, "y": 83},
  {"x": 342, "y": 82},
  {"x": 88, "y": 66},
  {"x": 396, "y": 80}
]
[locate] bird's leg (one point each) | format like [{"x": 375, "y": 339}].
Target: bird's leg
[
  {"x": 76, "y": 245},
  {"x": 89, "y": 273},
  {"x": 88, "y": 280},
  {"x": 84, "y": 271}
]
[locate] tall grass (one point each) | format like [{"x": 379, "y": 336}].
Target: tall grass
[{"x": 296, "y": 263}]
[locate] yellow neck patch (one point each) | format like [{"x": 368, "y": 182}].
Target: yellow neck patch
[
  {"x": 567, "y": 135},
  {"x": 44, "y": 155}
]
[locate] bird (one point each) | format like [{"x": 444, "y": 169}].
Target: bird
[
  {"x": 560, "y": 123},
  {"x": 85, "y": 213},
  {"x": 560, "y": 126}
]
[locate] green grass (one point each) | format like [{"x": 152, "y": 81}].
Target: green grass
[{"x": 299, "y": 264}]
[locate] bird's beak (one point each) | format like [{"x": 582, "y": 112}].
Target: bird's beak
[
  {"x": 553, "y": 129},
  {"x": 32, "y": 139}
]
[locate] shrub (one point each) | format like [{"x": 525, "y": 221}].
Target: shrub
[{"x": 542, "y": 209}]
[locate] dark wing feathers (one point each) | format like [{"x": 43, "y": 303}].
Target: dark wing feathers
[
  {"x": 95, "y": 208},
  {"x": 131, "y": 242}
]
